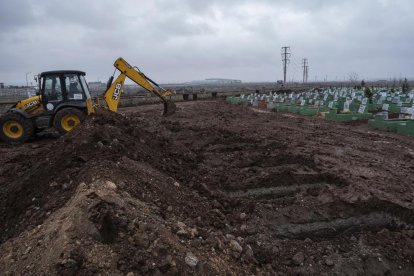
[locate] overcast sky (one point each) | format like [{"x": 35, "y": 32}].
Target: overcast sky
[{"x": 184, "y": 40}]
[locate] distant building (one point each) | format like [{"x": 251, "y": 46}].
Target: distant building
[
  {"x": 215, "y": 81},
  {"x": 2, "y": 85},
  {"x": 223, "y": 81},
  {"x": 95, "y": 85}
]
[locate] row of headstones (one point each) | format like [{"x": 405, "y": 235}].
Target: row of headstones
[
  {"x": 342, "y": 99},
  {"x": 378, "y": 98}
]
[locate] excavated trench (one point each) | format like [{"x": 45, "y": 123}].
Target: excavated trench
[
  {"x": 268, "y": 175},
  {"x": 280, "y": 186},
  {"x": 374, "y": 222},
  {"x": 322, "y": 222},
  {"x": 280, "y": 176},
  {"x": 276, "y": 192}
]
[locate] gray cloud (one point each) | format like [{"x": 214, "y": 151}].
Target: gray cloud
[
  {"x": 13, "y": 17},
  {"x": 183, "y": 40}
]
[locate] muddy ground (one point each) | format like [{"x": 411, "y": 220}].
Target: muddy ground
[{"x": 213, "y": 190}]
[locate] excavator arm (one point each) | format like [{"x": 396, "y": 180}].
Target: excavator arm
[{"x": 114, "y": 88}]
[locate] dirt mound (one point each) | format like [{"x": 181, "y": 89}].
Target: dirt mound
[
  {"x": 103, "y": 229},
  {"x": 214, "y": 189},
  {"x": 105, "y": 200},
  {"x": 47, "y": 175}
]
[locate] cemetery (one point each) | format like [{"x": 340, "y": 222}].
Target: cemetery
[{"x": 387, "y": 109}]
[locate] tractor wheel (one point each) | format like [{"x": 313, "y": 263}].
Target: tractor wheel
[
  {"x": 67, "y": 119},
  {"x": 14, "y": 128}
]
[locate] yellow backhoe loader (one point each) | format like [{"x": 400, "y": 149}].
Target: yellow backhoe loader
[{"x": 63, "y": 101}]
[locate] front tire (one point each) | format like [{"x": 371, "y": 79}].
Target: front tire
[
  {"x": 67, "y": 119},
  {"x": 14, "y": 128}
]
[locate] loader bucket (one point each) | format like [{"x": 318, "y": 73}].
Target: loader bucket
[{"x": 169, "y": 108}]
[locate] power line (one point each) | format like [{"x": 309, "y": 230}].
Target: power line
[
  {"x": 295, "y": 64},
  {"x": 296, "y": 68},
  {"x": 285, "y": 59}
]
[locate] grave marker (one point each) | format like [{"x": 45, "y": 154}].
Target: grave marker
[
  {"x": 346, "y": 106},
  {"x": 411, "y": 110}
]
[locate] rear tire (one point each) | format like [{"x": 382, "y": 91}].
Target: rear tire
[
  {"x": 15, "y": 129},
  {"x": 67, "y": 119}
]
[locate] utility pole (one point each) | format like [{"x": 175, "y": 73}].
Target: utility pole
[
  {"x": 307, "y": 73},
  {"x": 305, "y": 67},
  {"x": 27, "y": 82},
  {"x": 285, "y": 60}
]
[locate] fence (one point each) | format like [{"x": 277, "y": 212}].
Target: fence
[
  {"x": 127, "y": 101},
  {"x": 15, "y": 94}
]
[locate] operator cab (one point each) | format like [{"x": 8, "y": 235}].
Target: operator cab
[{"x": 65, "y": 87}]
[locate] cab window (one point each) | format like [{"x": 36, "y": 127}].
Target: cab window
[
  {"x": 73, "y": 87},
  {"x": 85, "y": 86},
  {"x": 53, "y": 88}
]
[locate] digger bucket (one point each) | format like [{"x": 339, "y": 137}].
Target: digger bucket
[{"x": 169, "y": 108}]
